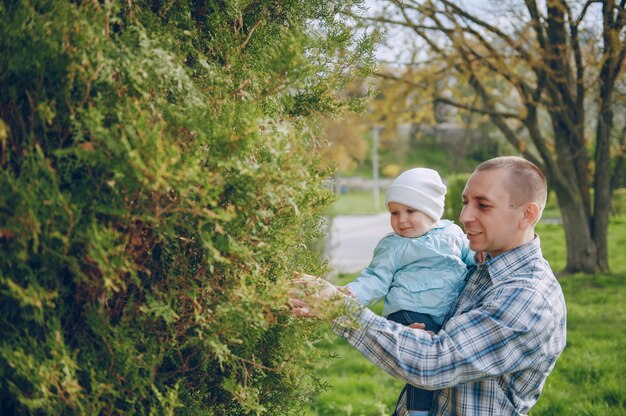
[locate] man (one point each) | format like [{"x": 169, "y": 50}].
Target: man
[{"x": 507, "y": 328}]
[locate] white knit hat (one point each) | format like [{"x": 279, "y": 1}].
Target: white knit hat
[{"x": 421, "y": 189}]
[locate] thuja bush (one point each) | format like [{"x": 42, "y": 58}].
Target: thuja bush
[
  {"x": 454, "y": 196},
  {"x": 158, "y": 187}
]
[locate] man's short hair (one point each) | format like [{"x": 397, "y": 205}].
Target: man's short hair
[{"x": 526, "y": 181}]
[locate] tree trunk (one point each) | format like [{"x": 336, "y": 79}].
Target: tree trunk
[
  {"x": 608, "y": 72},
  {"x": 581, "y": 248},
  {"x": 602, "y": 189}
]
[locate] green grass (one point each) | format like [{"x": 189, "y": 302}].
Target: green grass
[
  {"x": 358, "y": 203},
  {"x": 618, "y": 204},
  {"x": 588, "y": 378}
]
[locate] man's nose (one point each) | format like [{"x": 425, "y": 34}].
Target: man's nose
[{"x": 466, "y": 214}]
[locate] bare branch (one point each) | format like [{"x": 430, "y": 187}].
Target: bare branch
[
  {"x": 517, "y": 82},
  {"x": 475, "y": 109},
  {"x": 583, "y": 12},
  {"x": 619, "y": 160},
  {"x": 418, "y": 30},
  {"x": 406, "y": 63},
  {"x": 578, "y": 62},
  {"x": 380, "y": 19},
  {"x": 531, "y": 122},
  {"x": 256, "y": 25},
  {"x": 620, "y": 59},
  {"x": 621, "y": 15},
  {"x": 403, "y": 80},
  {"x": 535, "y": 18},
  {"x": 489, "y": 27}
]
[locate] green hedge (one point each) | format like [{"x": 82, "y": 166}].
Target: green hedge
[
  {"x": 158, "y": 187},
  {"x": 454, "y": 196}
]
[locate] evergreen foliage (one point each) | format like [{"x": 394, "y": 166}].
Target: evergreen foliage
[
  {"x": 454, "y": 197},
  {"x": 158, "y": 187}
]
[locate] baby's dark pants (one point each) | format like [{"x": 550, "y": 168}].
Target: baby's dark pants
[{"x": 416, "y": 399}]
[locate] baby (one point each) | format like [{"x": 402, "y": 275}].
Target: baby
[{"x": 420, "y": 268}]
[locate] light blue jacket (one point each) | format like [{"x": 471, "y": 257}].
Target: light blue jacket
[{"x": 424, "y": 274}]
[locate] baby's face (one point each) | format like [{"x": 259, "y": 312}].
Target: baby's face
[{"x": 409, "y": 222}]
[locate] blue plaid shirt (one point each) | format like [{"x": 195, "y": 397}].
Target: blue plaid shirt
[{"x": 493, "y": 354}]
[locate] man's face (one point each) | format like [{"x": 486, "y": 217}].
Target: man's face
[
  {"x": 490, "y": 223},
  {"x": 407, "y": 221}
]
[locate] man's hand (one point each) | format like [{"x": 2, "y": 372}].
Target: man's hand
[
  {"x": 419, "y": 325},
  {"x": 311, "y": 296}
]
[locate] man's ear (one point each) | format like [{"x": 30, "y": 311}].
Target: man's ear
[{"x": 530, "y": 215}]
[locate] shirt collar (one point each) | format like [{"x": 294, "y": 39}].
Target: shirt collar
[{"x": 512, "y": 260}]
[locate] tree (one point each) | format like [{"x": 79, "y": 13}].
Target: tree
[
  {"x": 542, "y": 75},
  {"x": 158, "y": 186},
  {"x": 345, "y": 147}
]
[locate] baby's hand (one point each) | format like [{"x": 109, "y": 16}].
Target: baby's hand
[
  {"x": 310, "y": 295},
  {"x": 345, "y": 290}
]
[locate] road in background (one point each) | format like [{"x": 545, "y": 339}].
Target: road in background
[{"x": 352, "y": 240}]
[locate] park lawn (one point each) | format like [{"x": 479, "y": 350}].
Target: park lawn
[
  {"x": 358, "y": 202},
  {"x": 588, "y": 378}
]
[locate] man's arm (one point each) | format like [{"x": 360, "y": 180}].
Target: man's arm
[{"x": 505, "y": 334}]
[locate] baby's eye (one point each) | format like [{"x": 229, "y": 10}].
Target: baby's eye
[{"x": 464, "y": 203}]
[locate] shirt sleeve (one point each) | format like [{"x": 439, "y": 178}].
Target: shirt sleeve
[
  {"x": 503, "y": 335},
  {"x": 374, "y": 281}
]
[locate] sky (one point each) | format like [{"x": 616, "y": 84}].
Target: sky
[{"x": 395, "y": 47}]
